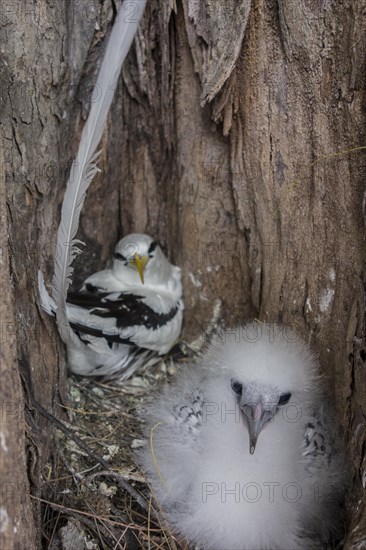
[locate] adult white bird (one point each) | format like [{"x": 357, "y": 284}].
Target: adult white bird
[
  {"x": 122, "y": 314},
  {"x": 242, "y": 452}
]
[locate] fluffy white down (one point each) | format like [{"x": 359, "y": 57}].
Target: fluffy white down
[{"x": 211, "y": 490}]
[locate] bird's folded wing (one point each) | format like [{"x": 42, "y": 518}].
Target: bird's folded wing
[{"x": 112, "y": 315}]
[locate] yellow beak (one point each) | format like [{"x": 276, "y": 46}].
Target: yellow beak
[{"x": 140, "y": 263}]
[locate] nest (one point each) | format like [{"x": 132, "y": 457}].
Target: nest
[{"x": 94, "y": 495}]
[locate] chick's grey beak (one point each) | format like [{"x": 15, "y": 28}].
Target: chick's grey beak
[
  {"x": 254, "y": 419},
  {"x": 254, "y": 429}
]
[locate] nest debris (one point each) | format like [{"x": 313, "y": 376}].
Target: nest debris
[{"x": 94, "y": 495}]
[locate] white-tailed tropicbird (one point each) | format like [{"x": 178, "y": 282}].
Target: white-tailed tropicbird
[
  {"x": 121, "y": 313},
  {"x": 242, "y": 450}
]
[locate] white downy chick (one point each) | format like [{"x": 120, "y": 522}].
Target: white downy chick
[{"x": 244, "y": 451}]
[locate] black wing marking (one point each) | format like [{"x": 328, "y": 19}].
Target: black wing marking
[
  {"x": 90, "y": 288},
  {"x": 126, "y": 309},
  {"x": 82, "y": 332},
  {"x": 80, "y": 329}
]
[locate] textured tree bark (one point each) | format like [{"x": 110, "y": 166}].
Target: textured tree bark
[
  {"x": 227, "y": 141},
  {"x": 16, "y": 520},
  {"x": 44, "y": 49}
]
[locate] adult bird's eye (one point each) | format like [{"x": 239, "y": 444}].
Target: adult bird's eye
[
  {"x": 151, "y": 249},
  {"x": 284, "y": 399},
  {"x": 236, "y": 386},
  {"x": 119, "y": 256}
]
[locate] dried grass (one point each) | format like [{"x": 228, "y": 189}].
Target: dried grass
[{"x": 84, "y": 506}]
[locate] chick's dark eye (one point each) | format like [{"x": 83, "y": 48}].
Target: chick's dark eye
[
  {"x": 236, "y": 386},
  {"x": 284, "y": 399},
  {"x": 152, "y": 248}
]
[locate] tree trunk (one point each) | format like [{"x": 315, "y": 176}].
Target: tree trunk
[{"x": 236, "y": 140}]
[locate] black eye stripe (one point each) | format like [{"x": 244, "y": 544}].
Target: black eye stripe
[
  {"x": 284, "y": 399},
  {"x": 119, "y": 256},
  {"x": 152, "y": 247}
]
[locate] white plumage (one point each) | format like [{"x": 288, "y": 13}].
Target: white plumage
[
  {"x": 243, "y": 450},
  {"x": 123, "y": 313}
]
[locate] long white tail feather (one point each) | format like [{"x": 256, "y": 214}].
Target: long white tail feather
[
  {"x": 84, "y": 167},
  {"x": 47, "y": 302}
]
